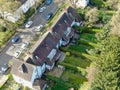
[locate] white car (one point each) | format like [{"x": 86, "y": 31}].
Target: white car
[
  {"x": 42, "y": 9},
  {"x": 17, "y": 54},
  {"x": 24, "y": 45},
  {"x": 28, "y": 24},
  {"x": 38, "y": 28}
]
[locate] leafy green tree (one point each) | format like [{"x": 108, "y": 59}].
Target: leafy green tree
[{"x": 107, "y": 78}]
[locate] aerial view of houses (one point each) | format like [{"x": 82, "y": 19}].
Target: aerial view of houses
[{"x": 59, "y": 45}]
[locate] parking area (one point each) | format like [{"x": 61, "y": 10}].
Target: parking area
[
  {"x": 24, "y": 39},
  {"x": 29, "y": 33}
]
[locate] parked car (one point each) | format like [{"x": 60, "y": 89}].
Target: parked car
[
  {"x": 38, "y": 28},
  {"x": 15, "y": 39},
  {"x": 42, "y": 9},
  {"x": 48, "y": 16},
  {"x": 4, "y": 68},
  {"x": 28, "y": 24},
  {"x": 24, "y": 45},
  {"x": 48, "y": 2},
  {"x": 17, "y": 54}
]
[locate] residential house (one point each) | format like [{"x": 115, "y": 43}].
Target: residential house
[
  {"x": 27, "y": 75},
  {"x": 25, "y": 5},
  {"x": 63, "y": 30},
  {"x": 45, "y": 52},
  {"x": 80, "y": 3},
  {"x": 41, "y": 57}
]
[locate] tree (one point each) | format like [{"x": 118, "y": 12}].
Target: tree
[
  {"x": 8, "y": 6},
  {"x": 108, "y": 62},
  {"x": 112, "y": 4},
  {"x": 92, "y": 15},
  {"x": 115, "y": 24}
]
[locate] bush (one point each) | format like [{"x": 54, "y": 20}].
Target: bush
[
  {"x": 29, "y": 13},
  {"x": 58, "y": 80},
  {"x": 87, "y": 43},
  {"x": 82, "y": 29},
  {"x": 67, "y": 53},
  {"x": 3, "y": 29}
]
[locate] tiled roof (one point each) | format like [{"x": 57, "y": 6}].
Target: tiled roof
[
  {"x": 39, "y": 84},
  {"x": 43, "y": 48},
  {"x": 73, "y": 14}
]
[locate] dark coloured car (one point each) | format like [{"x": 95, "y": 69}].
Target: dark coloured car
[
  {"x": 15, "y": 39},
  {"x": 48, "y": 16},
  {"x": 48, "y": 2}
]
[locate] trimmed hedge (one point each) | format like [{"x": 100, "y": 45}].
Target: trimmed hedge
[
  {"x": 58, "y": 80},
  {"x": 87, "y": 43},
  {"x": 73, "y": 68},
  {"x": 78, "y": 62}
]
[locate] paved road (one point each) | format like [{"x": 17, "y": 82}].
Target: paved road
[{"x": 38, "y": 18}]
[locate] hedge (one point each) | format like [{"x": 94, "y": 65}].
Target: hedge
[
  {"x": 58, "y": 80},
  {"x": 82, "y": 41},
  {"x": 73, "y": 68}
]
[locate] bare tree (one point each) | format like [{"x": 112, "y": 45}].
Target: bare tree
[{"x": 92, "y": 15}]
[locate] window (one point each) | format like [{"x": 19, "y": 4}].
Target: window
[
  {"x": 52, "y": 54},
  {"x": 36, "y": 57},
  {"x": 67, "y": 32}
]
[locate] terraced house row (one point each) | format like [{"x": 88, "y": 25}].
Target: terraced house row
[{"x": 45, "y": 53}]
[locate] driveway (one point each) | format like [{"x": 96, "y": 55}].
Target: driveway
[{"x": 38, "y": 18}]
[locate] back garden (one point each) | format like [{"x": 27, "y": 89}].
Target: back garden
[{"x": 79, "y": 55}]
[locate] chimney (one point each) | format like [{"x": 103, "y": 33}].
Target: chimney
[{"x": 22, "y": 68}]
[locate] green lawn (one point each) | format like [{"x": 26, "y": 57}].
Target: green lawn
[
  {"x": 10, "y": 84},
  {"x": 79, "y": 48},
  {"x": 77, "y": 61},
  {"x": 89, "y": 37},
  {"x": 74, "y": 79},
  {"x": 58, "y": 86}
]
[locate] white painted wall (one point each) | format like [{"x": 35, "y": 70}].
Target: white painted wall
[
  {"x": 37, "y": 72},
  {"x": 50, "y": 67},
  {"x": 82, "y": 3},
  {"x": 22, "y": 81}
]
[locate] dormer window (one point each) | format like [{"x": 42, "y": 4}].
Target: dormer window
[
  {"x": 67, "y": 32},
  {"x": 52, "y": 54},
  {"x": 37, "y": 57}
]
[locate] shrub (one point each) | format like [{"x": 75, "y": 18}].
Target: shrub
[
  {"x": 67, "y": 53},
  {"x": 87, "y": 43},
  {"x": 58, "y": 80},
  {"x": 29, "y": 13},
  {"x": 3, "y": 29}
]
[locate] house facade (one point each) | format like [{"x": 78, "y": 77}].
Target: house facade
[
  {"x": 45, "y": 52},
  {"x": 80, "y": 3},
  {"x": 63, "y": 30},
  {"x": 26, "y": 74}
]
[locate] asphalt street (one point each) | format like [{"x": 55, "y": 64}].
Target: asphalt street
[{"x": 38, "y": 18}]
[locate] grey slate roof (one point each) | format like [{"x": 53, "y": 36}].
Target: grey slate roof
[{"x": 22, "y": 69}]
